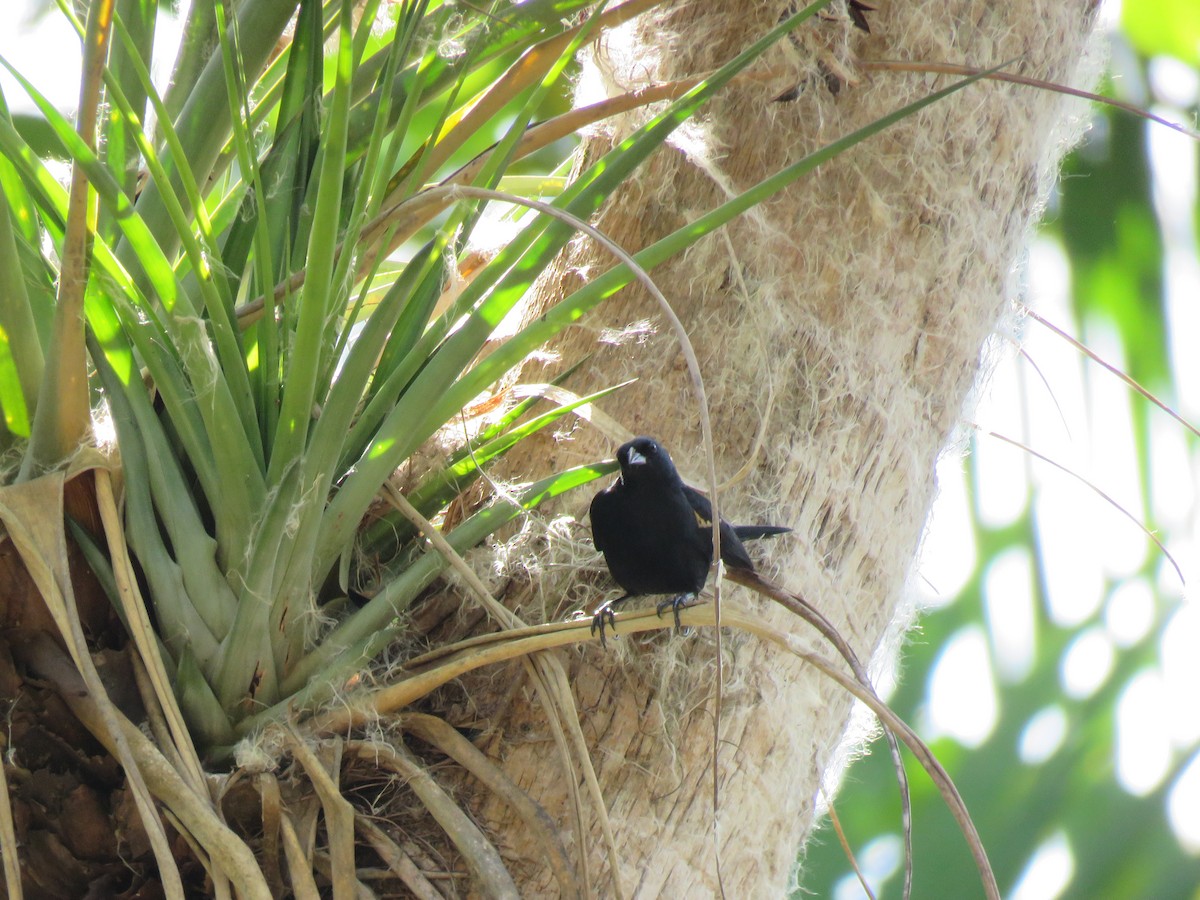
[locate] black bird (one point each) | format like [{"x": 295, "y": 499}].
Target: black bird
[{"x": 656, "y": 532}]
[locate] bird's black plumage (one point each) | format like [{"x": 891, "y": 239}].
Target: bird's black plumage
[{"x": 656, "y": 532}]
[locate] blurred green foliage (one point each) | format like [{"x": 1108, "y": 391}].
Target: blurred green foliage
[{"x": 1164, "y": 28}]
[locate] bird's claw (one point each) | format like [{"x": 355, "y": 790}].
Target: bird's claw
[
  {"x": 676, "y": 603},
  {"x": 604, "y": 618}
]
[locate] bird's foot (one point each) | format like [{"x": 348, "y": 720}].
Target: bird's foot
[
  {"x": 676, "y": 603},
  {"x": 604, "y": 617}
]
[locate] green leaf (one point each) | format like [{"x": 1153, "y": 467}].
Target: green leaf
[
  {"x": 1115, "y": 244},
  {"x": 355, "y": 641},
  {"x": 466, "y": 466},
  {"x": 1164, "y": 27},
  {"x": 306, "y": 359},
  {"x": 206, "y": 718},
  {"x": 203, "y": 122},
  {"x": 21, "y": 359},
  {"x": 121, "y": 152},
  {"x": 192, "y": 599},
  {"x": 434, "y": 396}
]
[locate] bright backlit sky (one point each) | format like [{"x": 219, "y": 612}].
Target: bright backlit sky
[{"x": 46, "y": 50}]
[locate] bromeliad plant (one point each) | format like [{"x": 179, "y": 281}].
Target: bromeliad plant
[
  {"x": 265, "y": 318},
  {"x": 253, "y": 436},
  {"x": 266, "y": 361}
]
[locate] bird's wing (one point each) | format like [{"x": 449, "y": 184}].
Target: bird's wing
[
  {"x": 749, "y": 532},
  {"x": 732, "y": 550},
  {"x": 701, "y": 508},
  {"x": 601, "y": 514}
]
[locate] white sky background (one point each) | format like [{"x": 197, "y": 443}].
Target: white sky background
[
  {"x": 1092, "y": 552},
  {"x": 45, "y": 49}
]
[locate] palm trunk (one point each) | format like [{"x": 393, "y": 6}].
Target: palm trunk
[{"x": 845, "y": 323}]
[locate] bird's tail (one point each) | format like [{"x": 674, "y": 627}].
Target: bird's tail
[{"x": 750, "y": 532}]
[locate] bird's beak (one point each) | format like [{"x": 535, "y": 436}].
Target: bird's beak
[{"x": 635, "y": 458}]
